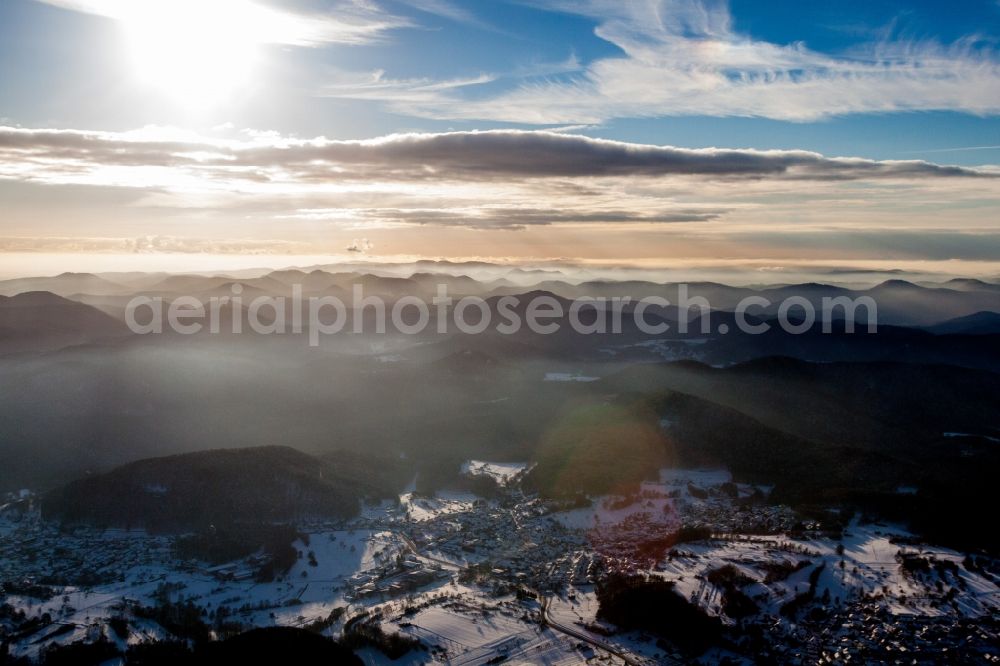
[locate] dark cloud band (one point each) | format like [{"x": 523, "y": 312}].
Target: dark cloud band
[{"x": 489, "y": 155}]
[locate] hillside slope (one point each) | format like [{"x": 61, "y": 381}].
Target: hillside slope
[
  {"x": 219, "y": 487},
  {"x": 41, "y": 321}
]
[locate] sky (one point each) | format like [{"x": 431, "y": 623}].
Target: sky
[{"x": 774, "y": 136}]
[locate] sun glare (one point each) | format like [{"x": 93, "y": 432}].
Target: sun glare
[{"x": 197, "y": 53}]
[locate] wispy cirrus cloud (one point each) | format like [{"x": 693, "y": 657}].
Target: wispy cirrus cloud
[
  {"x": 452, "y": 11},
  {"x": 400, "y": 94},
  {"x": 684, "y": 57},
  {"x": 959, "y": 149},
  {"x": 377, "y": 86},
  {"x": 342, "y": 22}
]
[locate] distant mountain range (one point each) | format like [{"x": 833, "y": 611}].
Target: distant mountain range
[
  {"x": 87, "y": 308},
  {"x": 899, "y": 302}
]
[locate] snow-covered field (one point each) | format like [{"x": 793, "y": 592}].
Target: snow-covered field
[
  {"x": 465, "y": 631},
  {"x": 658, "y": 503},
  {"x": 501, "y": 472},
  {"x": 305, "y": 594},
  {"x": 478, "y": 630},
  {"x": 577, "y": 608},
  {"x": 341, "y": 554},
  {"x": 419, "y": 509},
  {"x": 865, "y": 563},
  {"x": 605, "y": 513}
]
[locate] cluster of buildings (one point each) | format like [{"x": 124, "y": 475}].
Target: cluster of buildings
[
  {"x": 867, "y": 632},
  {"x": 32, "y": 549},
  {"x": 408, "y": 575},
  {"x": 869, "y": 599}
]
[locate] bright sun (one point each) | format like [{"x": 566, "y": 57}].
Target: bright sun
[{"x": 196, "y": 52}]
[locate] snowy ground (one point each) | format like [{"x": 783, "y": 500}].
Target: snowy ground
[
  {"x": 867, "y": 564},
  {"x": 418, "y": 509},
  {"x": 604, "y": 513},
  {"x": 577, "y": 608},
  {"x": 306, "y": 593},
  {"x": 375, "y": 569},
  {"x": 501, "y": 472},
  {"x": 660, "y": 503},
  {"x": 476, "y": 629}
]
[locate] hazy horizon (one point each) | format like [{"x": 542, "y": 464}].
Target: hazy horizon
[{"x": 37, "y": 264}]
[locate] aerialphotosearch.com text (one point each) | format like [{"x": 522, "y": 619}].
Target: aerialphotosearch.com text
[{"x": 543, "y": 314}]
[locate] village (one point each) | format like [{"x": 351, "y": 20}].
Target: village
[{"x": 458, "y": 578}]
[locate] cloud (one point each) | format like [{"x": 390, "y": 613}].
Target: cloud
[
  {"x": 884, "y": 250},
  {"x": 684, "y": 57},
  {"x": 501, "y": 179},
  {"x": 959, "y": 149},
  {"x": 448, "y": 10},
  {"x": 155, "y": 157},
  {"x": 343, "y": 22},
  {"x": 492, "y": 216},
  {"x": 361, "y": 245},
  {"x": 376, "y": 86},
  {"x": 895, "y": 244},
  {"x": 150, "y": 244}
]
